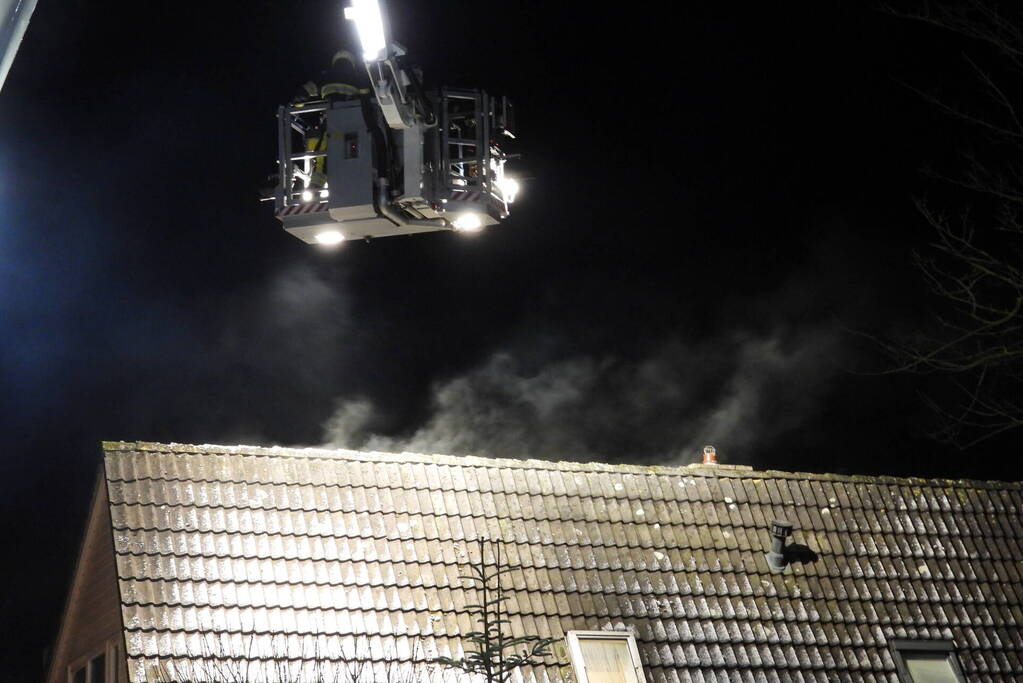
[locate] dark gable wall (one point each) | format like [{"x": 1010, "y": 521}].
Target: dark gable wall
[{"x": 93, "y": 613}]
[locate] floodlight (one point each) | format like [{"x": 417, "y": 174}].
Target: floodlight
[
  {"x": 324, "y": 194},
  {"x": 467, "y": 222},
  {"x": 369, "y": 22},
  {"x": 330, "y": 237},
  {"x": 307, "y": 195}
]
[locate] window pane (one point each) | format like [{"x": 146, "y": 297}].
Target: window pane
[
  {"x": 608, "y": 661},
  {"x": 97, "y": 674},
  {"x": 930, "y": 668}
]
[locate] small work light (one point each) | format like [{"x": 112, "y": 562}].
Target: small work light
[
  {"x": 467, "y": 222},
  {"x": 509, "y": 188},
  {"x": 330, "y": 237}
]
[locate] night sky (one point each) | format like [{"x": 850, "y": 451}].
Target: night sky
[{"x": 717, "y": 201}]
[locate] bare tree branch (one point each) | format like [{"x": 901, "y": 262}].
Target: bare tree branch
[{"x": 974, "y": 266}]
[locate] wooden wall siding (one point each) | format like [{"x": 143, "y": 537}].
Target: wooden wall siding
[{"x": 92, "y": 615}]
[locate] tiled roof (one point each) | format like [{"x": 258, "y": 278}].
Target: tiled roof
[{"x": 256, "y": 553}]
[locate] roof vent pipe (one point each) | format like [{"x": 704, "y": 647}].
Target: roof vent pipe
[
  {"x": 780, "y": 530},
  {"x": 710, "y": 455}
]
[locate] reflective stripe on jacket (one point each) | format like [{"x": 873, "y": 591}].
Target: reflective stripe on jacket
[{"x": 343, "y": 89}]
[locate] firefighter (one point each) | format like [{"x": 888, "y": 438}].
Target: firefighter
[
  {"x": 340, "y": 82},
  {"x": 315, "y": 138},
  {"x": 316, "y": 141},
  {"x": 337, "y": 84},
  {"x": 307, "y": 93}
]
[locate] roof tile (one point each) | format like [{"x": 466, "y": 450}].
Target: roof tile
[{"x": 232, "y": 540}]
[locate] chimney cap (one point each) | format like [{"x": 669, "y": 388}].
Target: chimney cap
[{"x": 781, "y": 528}]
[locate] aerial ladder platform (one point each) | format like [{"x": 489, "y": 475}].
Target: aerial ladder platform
[{"x": 399, "y": 160}]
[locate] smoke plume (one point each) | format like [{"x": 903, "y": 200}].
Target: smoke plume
[{"x": 738, "y": 394}]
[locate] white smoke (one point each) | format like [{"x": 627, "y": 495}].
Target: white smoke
[{"x": 739, "y": 394}]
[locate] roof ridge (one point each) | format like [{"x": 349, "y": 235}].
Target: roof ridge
[{"x": 693, "y": 469}]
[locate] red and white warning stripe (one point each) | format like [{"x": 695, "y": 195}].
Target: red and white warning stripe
[
  {"x": 465, "y": 195},
  {"x": 299, "y": 209}
]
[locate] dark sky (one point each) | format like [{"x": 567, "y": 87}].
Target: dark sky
[{"x": 714, "y": 199}]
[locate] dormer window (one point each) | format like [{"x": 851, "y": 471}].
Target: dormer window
[
  {"x": 605, "y": 657},
  {"x": 926, "y": 661}
]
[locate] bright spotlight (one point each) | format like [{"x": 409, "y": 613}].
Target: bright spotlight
[
  {"x": 509, "y": 188},
  {"x": 369, "y": 22},
  {"x": 324, "y": 194},
  {"x": 307, "y": 195},
  {"x": 330, "y": 237},
  {"x": 468, "y": 222}
]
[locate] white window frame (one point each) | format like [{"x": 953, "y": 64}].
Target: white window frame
[
  {"x": 111, "y": 651},
  {"x": 900, "y": 648},
  {"x": 576, "y": 654}
]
